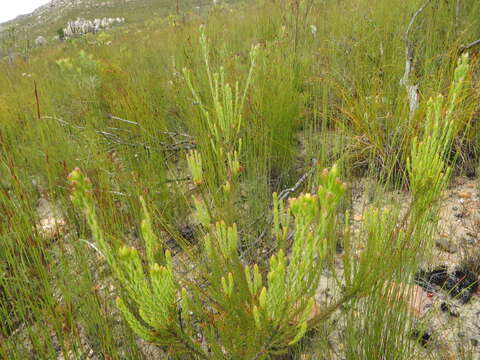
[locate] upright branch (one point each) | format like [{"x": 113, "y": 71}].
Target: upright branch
[
  {"x": 37, "y": 100},
  {"x": 412, "y": 90},
  {"x": 410, "y": 44}
]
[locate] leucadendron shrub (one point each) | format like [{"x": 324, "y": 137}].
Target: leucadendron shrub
[
  {"x": 232, "y": 310},
  {"x": 380, "y": 326}
]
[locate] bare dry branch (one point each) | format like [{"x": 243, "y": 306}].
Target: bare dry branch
[
  {"x": 286, "y": 193},
  {"x": 412, "y": 90},
  {"x": 110, "y": 116},
  {"x": 464, "y": 48},
  {"x": 410, "y": 45},
  {"x": 114, "y": 139}
]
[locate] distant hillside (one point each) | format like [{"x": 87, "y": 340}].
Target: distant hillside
[{"x": 48, "y": 19}]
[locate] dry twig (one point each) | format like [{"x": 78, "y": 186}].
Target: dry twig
[
  {"x": 464, "y": 48},
  {"x": 113, "y": 139},
  {"x": 412, "y": 90}
]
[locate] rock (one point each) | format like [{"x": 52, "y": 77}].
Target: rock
[
  {"x": 446, "y": 245},
  {"x": 446, "y": 307},
  {"x": 468, "y": 240},
  {"x": 82, "y": 26},
  {"x": 40, "y": 41},
  {"x": 418, "y": 300},
  {"x": 475, "y": 341},
  {"x": 423, "y": 336},
  {"x": 465, "y": 195},
  {"x": 97, "y": 23},
  {"x": 51, "y": 224},
  {"x": 358, "y": 217}
]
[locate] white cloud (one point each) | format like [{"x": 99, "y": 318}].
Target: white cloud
[{"x": 9, "y": 9}]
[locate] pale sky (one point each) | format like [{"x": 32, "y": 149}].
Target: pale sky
[{"x": 9, "y": 9}]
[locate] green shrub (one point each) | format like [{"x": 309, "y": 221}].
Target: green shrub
[{"x": 236, "y": 312}]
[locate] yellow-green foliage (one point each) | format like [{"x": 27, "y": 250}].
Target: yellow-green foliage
[
  {"x": 403, "y": 240},
  {"x": 242, "y": 316},
  {"x": 428, "y": 170}
]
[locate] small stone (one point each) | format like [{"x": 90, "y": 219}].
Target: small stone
[
  {"x": 465, "y": 195},
  {"x": 475, "y": 341},
  {"x": 423, "y": 336},
  {"x": 51, "y": 224},
  {"x": 358, "y": 217},
  {"x": 418, "y": 300},
  {"x": 469, "y": 240},
  {"x": 446, "y": 245},
  {"x": 445, "y": 307},
  {"x": 40, "y": 41}
]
